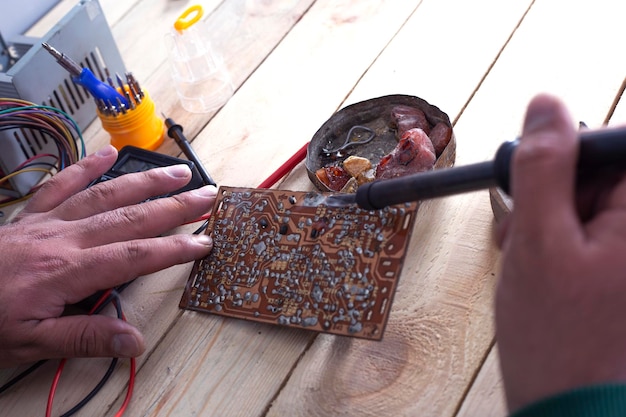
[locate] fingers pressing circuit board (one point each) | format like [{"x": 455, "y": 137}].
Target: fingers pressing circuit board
[{"x": 280, "y": 257}]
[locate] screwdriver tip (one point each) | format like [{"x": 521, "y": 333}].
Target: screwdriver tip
[
  {"x": 71, "y": 66},
  {"x": 50, "y": 49}
]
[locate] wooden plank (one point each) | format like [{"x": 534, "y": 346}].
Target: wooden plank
[
  {"x": 435, "y": 392},
  {"x": 441, "y": 317},
  {"x": 243, "y": 44},
  {"x": 617, "y": 116},
  {"x": 576, "y": 65},
  {"x": 440, "y": 327},
  {"x": 579, "y": 66},
  {"x": 486, "y": 397},
  {"x": 140, "y": 34},
  {"x": 144, "y": 307},
  {"x": 151, "y": 302},
  {"x": 113, "y": 11},
  {"x": 289, "y": 97},
  {"x": 28, "y": 397},
  {"x": 274, "y": 112}
]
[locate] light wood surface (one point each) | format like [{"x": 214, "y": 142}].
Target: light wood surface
[{"x": 294, "y": 63}]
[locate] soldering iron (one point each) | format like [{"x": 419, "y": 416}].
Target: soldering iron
[{"x": 599, "y": 149}]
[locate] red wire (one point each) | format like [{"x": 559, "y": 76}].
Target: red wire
[
  {"x": 53, "y": 388},
  {"x": 129, "y": 390},
  {"x": 32, "y": 158},
  {"x": 57, "y": 375},
  {"x": 101, "y": 300},
  {"x": 131, "y": 384},
  {"x": 285, "y": 168}
]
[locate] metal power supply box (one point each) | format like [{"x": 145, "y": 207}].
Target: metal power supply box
[{"x": 83, "y": 34}]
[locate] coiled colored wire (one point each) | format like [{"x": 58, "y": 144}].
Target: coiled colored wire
[{"x": 52, "y": 124}]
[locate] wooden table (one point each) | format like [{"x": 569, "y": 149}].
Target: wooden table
[{"x": 294, "y": 63}]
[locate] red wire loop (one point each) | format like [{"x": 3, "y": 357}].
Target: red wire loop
[{"x": 57, "y": 375}]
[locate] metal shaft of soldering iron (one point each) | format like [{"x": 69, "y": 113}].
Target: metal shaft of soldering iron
[
  {"x": 599, "y": 149},
  {"x": 425, "y": 185},
  {"x": 175, "y": 131}
]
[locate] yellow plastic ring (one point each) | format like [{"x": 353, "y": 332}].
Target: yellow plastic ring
[{"x": 188, "y": 18}]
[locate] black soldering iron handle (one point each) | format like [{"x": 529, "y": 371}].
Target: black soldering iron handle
[{"x": 599, "y": 149}]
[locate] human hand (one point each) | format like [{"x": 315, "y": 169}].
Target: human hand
[
  {"x": 560, "y": 298},
  {"x": 71, "y": 241}
]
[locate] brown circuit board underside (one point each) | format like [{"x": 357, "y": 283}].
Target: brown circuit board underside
[{"x": 286, "y": 258}]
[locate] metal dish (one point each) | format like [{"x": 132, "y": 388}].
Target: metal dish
[{"x": 374, "y": 114}]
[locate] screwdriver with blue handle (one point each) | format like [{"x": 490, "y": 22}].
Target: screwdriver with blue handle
[
  {"x": 100, "y": 90},
  {"x": 599, "y": 149}
]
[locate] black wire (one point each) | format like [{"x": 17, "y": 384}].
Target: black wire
[
  {"x": 201, "y": 228},
  {"x": 22, "y": 375},
  {"x": 34, "y": 163},
  {"x": 13, "y": 123},
  {"x": 62, "y": 151},
  {"x": 122, "y": 287},
  {"x": 94, "y": 391},
  {"x": 115, "y": 297}
]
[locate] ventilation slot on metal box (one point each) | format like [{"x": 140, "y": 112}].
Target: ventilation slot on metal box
[{"x": 38, "y": 78}]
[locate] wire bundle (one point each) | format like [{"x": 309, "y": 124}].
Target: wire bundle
[
  {"x": 109, "y": 296},
  {"x": 52, "y": 124},
  {"x": 112, "y": 296}
]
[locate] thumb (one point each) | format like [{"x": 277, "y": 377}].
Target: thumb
[
  {"x": 543, "y": 173},
  {"x": 88, "y": 336}
]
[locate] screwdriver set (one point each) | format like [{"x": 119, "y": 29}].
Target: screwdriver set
[
  {"x": 31, "y": 75},
  {"x": 126, "y": 110},
  {"x": 35, "y": 77}
]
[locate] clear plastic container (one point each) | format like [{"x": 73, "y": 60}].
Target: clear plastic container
[{"x": 199, "y": 73}]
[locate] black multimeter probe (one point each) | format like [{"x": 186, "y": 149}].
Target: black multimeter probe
[
  {"x": 599, "y": 149},
  {"x": 175, "y": 131}
]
